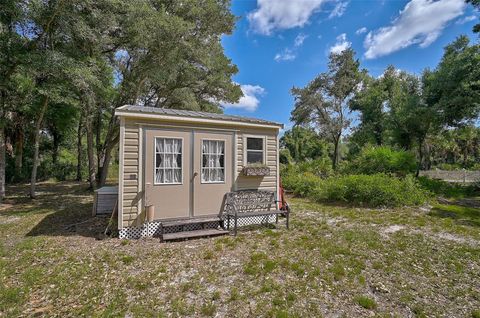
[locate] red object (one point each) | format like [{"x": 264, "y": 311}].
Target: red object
[{"x": 282, "y": 204}]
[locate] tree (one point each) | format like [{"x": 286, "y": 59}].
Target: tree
[
  {"x": 304, "y": 143},
  {"x": 453, "y": 88},
  {"x": 12, "y": 49},
  {"x": 476, "y": 4},
  {"x": 370, "y": 101},
  {"x": 92, "y": 56},
  {"x": 323, "y": 103},
  {"x": 168, "y": 54}
]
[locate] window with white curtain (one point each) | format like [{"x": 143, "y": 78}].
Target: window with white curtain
[
  {"x": 254, "y": 151},
  {"x": 213, "y": 161},
  {"x": 168, "y": 161}
]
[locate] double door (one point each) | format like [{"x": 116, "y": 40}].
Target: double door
[{"x": 187, "y": 172}]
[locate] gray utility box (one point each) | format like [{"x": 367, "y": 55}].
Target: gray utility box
[{"x": 105, "y": 200}]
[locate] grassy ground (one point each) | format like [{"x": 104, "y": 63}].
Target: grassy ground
[{"x": 335, "y": 261}]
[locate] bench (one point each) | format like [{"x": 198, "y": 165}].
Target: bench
[{"x": 252, "y": 203}]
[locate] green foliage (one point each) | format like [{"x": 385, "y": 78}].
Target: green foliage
[
  {"x": 449, "y": 166},
  {"x": 370, "y": 190},
  {"x": 301, "y": 184},
  {"x": 323, "y": 102},
  {"x": 285, "y": 157},
  {"x": 452, "y": 88},
  {"x": 311, "y": 170},
  {"x": 476, "y": 313},
  {"x": 448, "y": 189},
  {"x": 370, "y": 103},
  {"x": 68, "y": 54},
  {"x": 303, "y": 144},
  {"x": 383, "y": 160},
  {"x": 366, "y": 302}
]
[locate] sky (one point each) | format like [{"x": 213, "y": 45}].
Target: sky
[{"x": 278, "y": 44}]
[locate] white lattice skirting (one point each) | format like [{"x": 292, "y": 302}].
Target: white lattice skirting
[
  {"x": 146, "y": 230},
  {"x": 153, "y": 229}
]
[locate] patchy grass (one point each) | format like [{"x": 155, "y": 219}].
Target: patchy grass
[
  {"x": 334, "y": 261},
  {"x": 366, "y": 302}
]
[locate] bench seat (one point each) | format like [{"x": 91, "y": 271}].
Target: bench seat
[{"x": 252, "y": 203}]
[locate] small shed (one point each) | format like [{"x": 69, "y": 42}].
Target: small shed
[{"x": 182, "y": 163}]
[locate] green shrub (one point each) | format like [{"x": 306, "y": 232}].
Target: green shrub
[
  {"x": 448, "y": 189},
  {"x": 318, "y": 167},
  {"x": 370, "y": 190},
  {"x": 285, "y": 157},
  {"x": 301, "y": 184},
  {"x": 449, "y": 166},
  {"x": 383, "y": 160}
]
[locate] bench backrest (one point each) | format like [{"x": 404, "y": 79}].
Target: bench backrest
[{"x": 250, "y": 200}]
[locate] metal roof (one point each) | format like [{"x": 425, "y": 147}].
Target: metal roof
[{"x": 195, "y": 114}]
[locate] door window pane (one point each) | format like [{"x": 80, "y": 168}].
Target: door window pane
[
  {"x": 213, "y": 161},
  {"x": 168, "y": 161},
  {"x": 254, "y": 151}
]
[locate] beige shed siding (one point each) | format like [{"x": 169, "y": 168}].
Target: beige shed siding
[
  {"x": 131, "y": 189},
  {"x": 130, "y": 173},
  {"x": 267, "y": 182}
]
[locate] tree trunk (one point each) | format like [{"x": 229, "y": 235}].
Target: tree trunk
[
  {"x": 19, "y": 141},
  {"x": 106, "y": 160},
  {"x": 2, "y": 163},
  {"x": 104, "y": 171},
  {"x": 38, "y": 126},
  {"x": 90, "y": 152},
  {"x": 465, "y": 156},
  {"x": 336, "y": 160},
  {"x": 420, "y": 158},
  {"x": 98, "y": 143},
  {"x": 428, "y": 156},
  {"x": 55, "y": 148},
  {"x": 79, "y": 148},
  {"x": 111, "y": 140}
]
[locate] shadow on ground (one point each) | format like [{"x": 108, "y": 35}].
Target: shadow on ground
[
  {"x": 67, "y": 207},
  {"x": 462, "y": 211}
]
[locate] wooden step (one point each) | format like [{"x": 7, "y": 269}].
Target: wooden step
[
  {"x": 193, "y": 234},
  {"x": 190, "y": 221}
]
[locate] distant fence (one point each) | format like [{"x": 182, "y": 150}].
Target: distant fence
[{"x": 453, "y": 176}]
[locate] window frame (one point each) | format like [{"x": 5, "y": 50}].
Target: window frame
[
  {"x": 155, "y": 161},
  {"x": 245, "y": 150},
  {"x": 224, "y": 161}
]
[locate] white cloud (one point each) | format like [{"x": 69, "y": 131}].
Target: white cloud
[
  {"x": 339, "y": 10},
  {"x": 299, "y": 39},
  {"x": 361, "y": 31},
  {"x": 341, "y": 45},
  {"x": 250, "y": 99},
  {"x": 286, "y": 55},
  {"x": 467, "y": 19},
  {"x": 420, "y": 22},
  {"x": 289, "y": 54},
  {"x": 272, "y": 15}
]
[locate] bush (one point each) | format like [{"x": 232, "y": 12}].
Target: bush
[
  {"x": 301, "y": 184},
  {"x": 370, "y": 190},
  {"x": 383, "y": 160},
  {"x": 448, "y": 189},
  {"x": 285, "y": 157},
  {"x": 449, "y": 166},
  {"x": 318, "y": 167}
]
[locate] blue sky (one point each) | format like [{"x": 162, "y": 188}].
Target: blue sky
[{"x": 278, "y": 44}]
